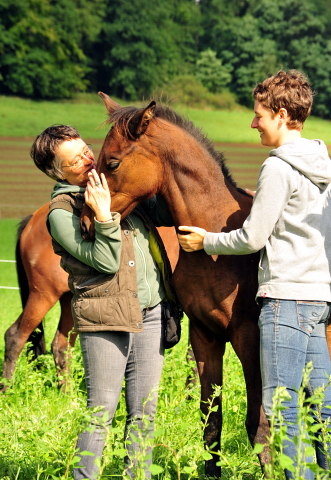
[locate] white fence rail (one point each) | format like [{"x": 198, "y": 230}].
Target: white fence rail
[{"x": 8, "y": 288}]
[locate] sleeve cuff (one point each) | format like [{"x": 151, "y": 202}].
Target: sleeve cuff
[
  {"x": 209, "y": 244},
  {"x": 114, "y": 221}
]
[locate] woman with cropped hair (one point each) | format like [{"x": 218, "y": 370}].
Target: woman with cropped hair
[
  {"x": 117, "y": 292},
  {"x": 290, "y": 223}
]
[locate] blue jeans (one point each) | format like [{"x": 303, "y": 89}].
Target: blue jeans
[
  {"x": 293, "y": 333},
  {"x": 109, "y": 357}
]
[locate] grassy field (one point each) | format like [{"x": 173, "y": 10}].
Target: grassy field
[
  {"x": 39, "y": 424},
  {"x": 27, "y": 118},
  {"x": 26, "y": 188}
]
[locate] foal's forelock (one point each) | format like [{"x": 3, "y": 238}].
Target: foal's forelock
[{"x": 121, "y": 119}]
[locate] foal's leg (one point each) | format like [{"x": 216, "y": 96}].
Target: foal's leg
[
  {"x": 63, "y": 339},
  {"x": 246, "y": 343},
  {"x": 209, "y": 353},
  {"x": 192, "y": 378},
  {"x": 328, "y": 337},
  {"x": 16, "y": 336}
]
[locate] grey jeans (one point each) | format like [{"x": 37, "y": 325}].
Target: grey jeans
[{"x": 109, "y": 357}]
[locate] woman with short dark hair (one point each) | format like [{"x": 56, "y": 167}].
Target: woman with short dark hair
[
  {"x": 117, "y": 291},
  {"x": 290, "y": 224}
]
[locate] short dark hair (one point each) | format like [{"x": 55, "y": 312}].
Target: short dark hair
[
  {"x": 44, "y": 147},
  {"x": 290, "y": 90}
]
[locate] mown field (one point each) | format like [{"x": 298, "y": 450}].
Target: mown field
[{"x": 24, "y": 188}]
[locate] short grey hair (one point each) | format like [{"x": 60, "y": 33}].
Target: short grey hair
[{"x": 43, "y": 150}]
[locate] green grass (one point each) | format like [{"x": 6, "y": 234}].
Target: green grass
[
  {"x": 8, "y": 235},
  {"x": 234, "y": 126},
  {"x": 8, "y": 269},
  {"x": 39, "y": 424},
  {"x": 27, "y": 118}
]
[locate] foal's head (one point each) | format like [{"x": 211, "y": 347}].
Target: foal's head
[
  {"x": 128, "y": 158},
  {"x": 143, "y": 145}
]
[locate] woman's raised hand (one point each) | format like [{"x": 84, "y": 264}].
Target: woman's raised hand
[{"x": 97, "y": 196}]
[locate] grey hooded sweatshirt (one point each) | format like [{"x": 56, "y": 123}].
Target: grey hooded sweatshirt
[{"x": 290, "y": 223}]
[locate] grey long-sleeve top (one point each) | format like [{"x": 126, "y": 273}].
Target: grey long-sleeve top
[{"x": 290, "y": 223}]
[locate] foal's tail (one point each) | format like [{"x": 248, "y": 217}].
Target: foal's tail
[
  {"x": 21, "y": 275},
  {"x": 37, "y": 337}
]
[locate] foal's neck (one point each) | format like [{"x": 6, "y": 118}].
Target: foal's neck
[{"x": 197, "y": 192}]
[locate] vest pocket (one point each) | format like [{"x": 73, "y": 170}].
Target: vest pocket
[
  {"x": 92, "y": 282},
  {"x": 86, "y": 312},
  {"x": 110, "y": 312},
  {"x": 95, "y": 298},
  {"x": 100, "y": 286}
]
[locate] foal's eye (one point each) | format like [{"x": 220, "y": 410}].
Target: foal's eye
[{"x": 113, "y": 164}]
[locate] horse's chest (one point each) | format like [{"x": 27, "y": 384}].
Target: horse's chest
[
  {"x": 215, "y": 291},
  {"x": 200, "y": 280},
  {"x": 206, "y": 297}
]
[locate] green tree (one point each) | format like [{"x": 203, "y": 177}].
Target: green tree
[
  {"x": 143, "y": 48},
  {"x": 186, "y": 31},
  {"x": 211, "y": 73},
  {"x": 137, "y": 48},
  {"x": 251, "y": 57},
  {"x": 217, "y": 16},
  {"x": 302, "y": 43},
  {"x": 230, "y": 29},
  {"x": 40, "y": 47},
  {"x": 265, "y": 36}
]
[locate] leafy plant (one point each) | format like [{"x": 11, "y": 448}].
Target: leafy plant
[
  {"x": 211, "y": 72},
  {"x": 311, "y": 429}
]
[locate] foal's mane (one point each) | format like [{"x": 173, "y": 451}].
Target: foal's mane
[{"x": 121, "y": 118}]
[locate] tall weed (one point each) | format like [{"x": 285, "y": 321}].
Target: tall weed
[
  {"x": 311, "y": 429},
  {"x": 39, "y": 424}
]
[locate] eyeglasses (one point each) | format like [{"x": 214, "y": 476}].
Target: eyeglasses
[{"x": 80, "y": 160}]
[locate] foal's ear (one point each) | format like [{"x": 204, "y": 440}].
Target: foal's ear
[
  {"x": 110, "y": 104},
  {"x": 140, "y": 121}
]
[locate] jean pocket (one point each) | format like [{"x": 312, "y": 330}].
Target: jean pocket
[
  {"x": 269, "y": 311},
  {"x": 310, "y": 314},
  {"x": 271, "y": 303}
]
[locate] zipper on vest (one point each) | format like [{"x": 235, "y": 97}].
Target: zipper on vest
[{"x": 134, "y": 231}]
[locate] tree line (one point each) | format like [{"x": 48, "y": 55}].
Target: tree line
[{"x": 52, "y": 49}]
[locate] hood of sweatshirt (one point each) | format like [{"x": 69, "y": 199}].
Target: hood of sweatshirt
[
  {"x": 65, "y": 187},
  {"x": 310, "y": 157}
]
